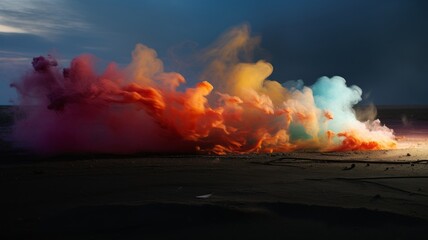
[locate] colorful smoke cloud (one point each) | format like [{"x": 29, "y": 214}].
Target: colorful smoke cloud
[{"x": 233, "y": 109}]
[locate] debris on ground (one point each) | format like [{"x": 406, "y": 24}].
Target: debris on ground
[
  {"x": 376, "y": 197},
  {"x": 349, "y": 168},
  {"x": 204, "y": 196}
]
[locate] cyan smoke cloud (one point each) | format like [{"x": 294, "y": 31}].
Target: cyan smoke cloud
[{"x": 234, "y": 108}]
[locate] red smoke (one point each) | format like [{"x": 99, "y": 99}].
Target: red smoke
[{"x": 139, "y": 109}]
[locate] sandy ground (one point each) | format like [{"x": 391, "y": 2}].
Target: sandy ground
[
  {"x": 348, "y": 195},
  {"x": 301, "y": 195}
]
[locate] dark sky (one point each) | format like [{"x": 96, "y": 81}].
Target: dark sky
[{"x": 381, "y": 46}]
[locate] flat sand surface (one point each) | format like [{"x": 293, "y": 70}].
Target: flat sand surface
[{"x": 300, "y": 195}]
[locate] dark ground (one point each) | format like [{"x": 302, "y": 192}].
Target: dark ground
[{"x": 304, "y": 195}]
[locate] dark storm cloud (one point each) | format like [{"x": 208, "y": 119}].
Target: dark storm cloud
[{"x": 378, "y": 45}]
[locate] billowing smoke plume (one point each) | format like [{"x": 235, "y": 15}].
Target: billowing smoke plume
[{"x": 233, "y": 109}]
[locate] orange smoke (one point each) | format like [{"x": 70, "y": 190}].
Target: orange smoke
[{"x": 234, "y": 109}]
